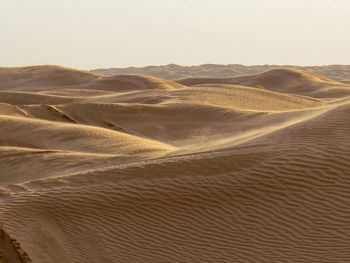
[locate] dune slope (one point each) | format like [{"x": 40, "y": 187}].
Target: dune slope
[{"x": 139, "y": 169}]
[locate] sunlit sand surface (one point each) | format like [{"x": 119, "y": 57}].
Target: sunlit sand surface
[{"x": 131, "y": 168}]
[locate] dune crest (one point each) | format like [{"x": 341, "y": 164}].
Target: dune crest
[
  {"x": 291, "y": 81},
  {"x": 134, "y": 168}
]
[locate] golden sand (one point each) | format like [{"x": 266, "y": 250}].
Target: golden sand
[{"x": 97, "y": 168}]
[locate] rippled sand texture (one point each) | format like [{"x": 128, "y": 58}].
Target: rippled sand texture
[{"x": 133, "y": 168}]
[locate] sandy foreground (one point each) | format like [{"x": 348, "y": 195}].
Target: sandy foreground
[{"x": 130, "y": 168}]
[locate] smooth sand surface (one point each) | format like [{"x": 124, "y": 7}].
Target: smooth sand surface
[{"x": 130, "y": 168}]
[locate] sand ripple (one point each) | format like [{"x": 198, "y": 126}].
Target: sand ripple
[{"x": 154, "y": 171}]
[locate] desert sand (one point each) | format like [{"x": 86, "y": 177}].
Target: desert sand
[
  {"x": 134, "y": 168},
  {"x": 172, "y": 71}
]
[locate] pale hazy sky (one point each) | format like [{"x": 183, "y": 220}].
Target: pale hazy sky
[{"x": 88, "y": 34}]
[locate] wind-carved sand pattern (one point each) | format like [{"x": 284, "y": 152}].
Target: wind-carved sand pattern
[{"x": 131, "y": 168}]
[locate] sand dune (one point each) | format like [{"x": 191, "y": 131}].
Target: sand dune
[
  {"x": 37, "y": 77},
  {"x": 38, "y": 134},
  {"x": 46, "y": 78},
  {"x": 173, "y": 71},
  {"x": 8, "y": 109},
  {"x": 98, "y": 168},
  {"x": 285, "y": 81}
]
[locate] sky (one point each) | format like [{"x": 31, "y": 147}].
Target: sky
[{"x": 89, "y": 34}]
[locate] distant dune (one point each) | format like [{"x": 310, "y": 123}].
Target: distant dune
[
  {"x": 284, "y": 81},
  {"x": 173, "y": 71},
  {"x": 211, "y": 166}
]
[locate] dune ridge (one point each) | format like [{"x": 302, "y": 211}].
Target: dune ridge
[
  {"x": 291, "y": 81},
  {"x": 173, "y": 71},
  {"x": 129, "y": 168}
]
